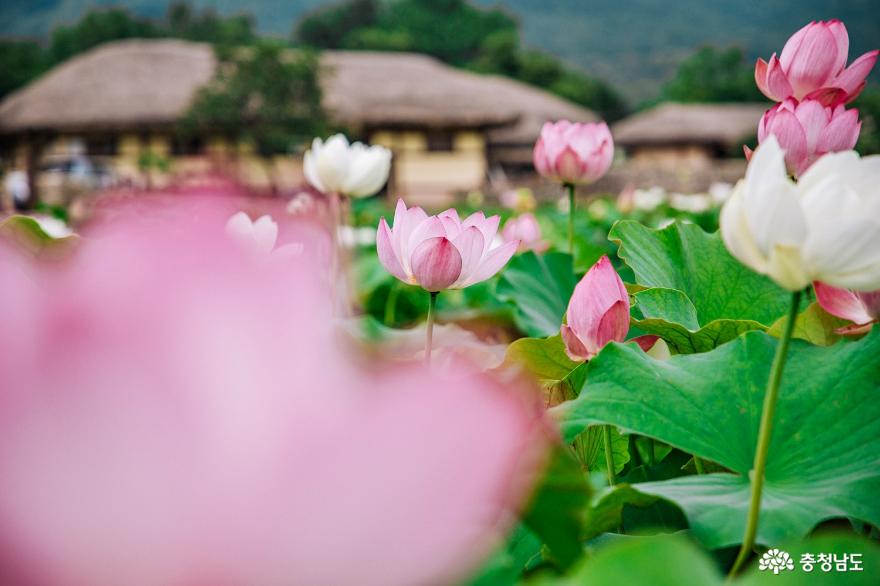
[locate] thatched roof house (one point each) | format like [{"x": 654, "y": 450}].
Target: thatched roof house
[
  {"x": 152, "y": 82},
  {"x": 684, "y": 147},
  {"x": 447, "y": 126},
  {"x": 713, "y": 126}
]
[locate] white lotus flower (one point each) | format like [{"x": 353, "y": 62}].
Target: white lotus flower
[
  {"x": 354, "y": 170},
  {"x": 824, "y": 228},
  {"x": 258, "y": 236}
]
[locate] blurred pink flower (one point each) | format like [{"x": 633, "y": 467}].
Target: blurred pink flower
[
  {"x": 598, "y": 312},
  {"x": 173, "y": 412},
  {"x": 525, "y": 230},
  {"x": 441, "y": 252},
  {"x": 808, "y": 130},
  {"x": 813, "y": 65},
  {"x": 860, "y": 307},
  {"x": 572, "y": 152}
]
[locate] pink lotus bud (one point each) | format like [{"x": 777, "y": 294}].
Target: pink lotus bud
[
  {"x": 813, "y": 65},
  {"x": 441, "y": 252},
  {"x": 860, "y": 307},
  {"x": 808, "y": 130},
  {"x": 525, "y": 229},
  {"x": 598, "y": 312},
  {"x": 572, "y": 152}
]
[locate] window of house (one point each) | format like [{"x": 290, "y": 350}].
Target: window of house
[
  {"x": 181, "y": 146},
  {"x": 440, "y": 141},
  {"x": 102, "y": 146}
]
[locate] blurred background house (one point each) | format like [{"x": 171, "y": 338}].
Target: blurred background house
[
  {"x": 150, "y": 91},
  {"x": 685, "y": 147},
  {"x": 118, "y": 106}
]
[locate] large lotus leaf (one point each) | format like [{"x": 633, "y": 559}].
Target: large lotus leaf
[
  {"x": 814, "y": 325},
  {"x": 668, "y": 313},
  {"x": 539, "y": 287},
  {"x": 674, "y": 561},
  {"x": 26, "y": 235},
  {"x": 556, "y": 511},
  {"x": 824, "y": 455},
  {"x": 545, "y": 360},
  {"x": 698, "y": 296}
]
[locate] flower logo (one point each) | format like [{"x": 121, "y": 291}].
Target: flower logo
[{"x": 775, "y": 560}]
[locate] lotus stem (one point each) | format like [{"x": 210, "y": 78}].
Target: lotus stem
[
  {"x": 764, "y": 434},
  {"x": 609, "y": 453},
  {"x": 571, "y": 204},
  {"x": 698, "y": 464},
  {"x": 432, "y": 309},
  {"x": 391, "y": 304}
]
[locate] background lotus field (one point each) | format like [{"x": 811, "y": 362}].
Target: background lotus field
[{"x": 207, "y": 383}]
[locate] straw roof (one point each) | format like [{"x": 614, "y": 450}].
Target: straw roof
[
  {"x": 675, "y": 123},
  {"x": 137, "y": 83},
  {"x": 407, "y": 89},
  {"x": 120, "y": 84},
  {"x": 535, "y": 107}
]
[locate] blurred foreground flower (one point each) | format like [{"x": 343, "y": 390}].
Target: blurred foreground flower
[
  {"x": 824, "y": 228},
  {"x": 813, "y": 65},
  {"x": 860, "y": 307},
  {"x": 598, "y": 312},
  {"x": 352, "y": 170},
  {"x": 525, "y": 230},
  {"x": 174, "y": 413},
  {"x": 441, "y": 252},
  {"x": 808, "y": 130}
]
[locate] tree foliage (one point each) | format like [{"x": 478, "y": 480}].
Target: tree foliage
[
  {"x": 20, "y": 62},
  {"x": 868, "y": 104},
  {"x": 458, "y": 33},
  {"x": 714, "y": 75},
  {"x": 266, "y": 94}
]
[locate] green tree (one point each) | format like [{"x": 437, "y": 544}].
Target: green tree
[
  {"x": 185, "y": 23},
  {"x": 455, "y": 31},
  {"x": 20, "y": 62},
  {"x": 95, "y": 28},
  {"x": 714, "y": 75},
  {"x": 868, "y": 104},
  {"x": 265, "y": 93},
  {"x": 329, "y": 27}
]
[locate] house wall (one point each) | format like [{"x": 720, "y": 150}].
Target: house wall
[
  {"x": 132, "y": 167},
  {"x": 433, "y": 176},
  {"x": 671, "y": 156}
]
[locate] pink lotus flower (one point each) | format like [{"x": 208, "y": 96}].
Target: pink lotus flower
[
  {"x": 860, "y": 307},
  {"x": 173, "y": 412},
  {"x": 525, "y": 230},
  {"x": 598, "y": 312},
  {"x": 813, "y": 65},
  {"x": 574, "y": 153},
  {"x": 808, "y": 130},
  {"x": 441, "y": 252}
]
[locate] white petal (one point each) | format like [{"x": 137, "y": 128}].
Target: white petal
[{"x": 265, "y": 234}]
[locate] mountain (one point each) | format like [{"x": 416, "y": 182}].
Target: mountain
[{"x": 635, "y": 44}]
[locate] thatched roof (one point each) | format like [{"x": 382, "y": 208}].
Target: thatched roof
[
  {"x": 406, "y": 89},
  {"x": 535, "y": 107},
  {"x": 120, "y": 84},
  {"x": 137, "y": 83},
  {"x": 674, "y": 123}
]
